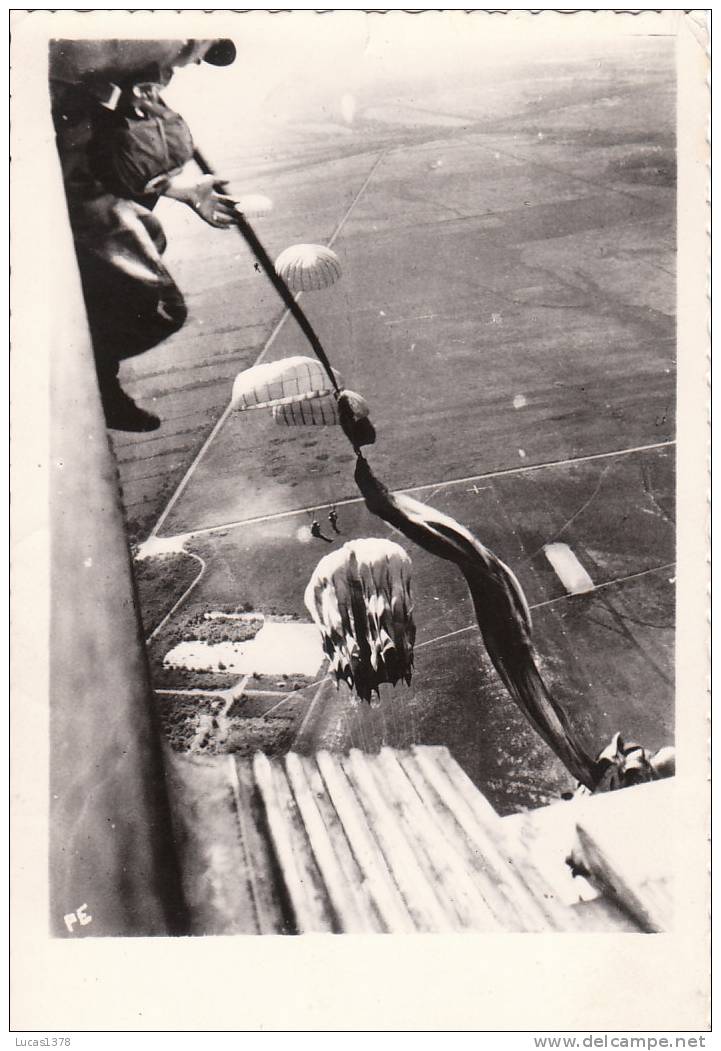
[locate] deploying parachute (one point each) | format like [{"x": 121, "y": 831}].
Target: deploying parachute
[
  {"x": 323, "y": 409},
  {"x": 308, "y": 268},
  {"x": 360, "y": 598},
  {"x": 283, "y": 382},
  {"x": 299, "y": 392},
  {"x": 254, "y": 205},
  {"x": 320, "y": 411}
]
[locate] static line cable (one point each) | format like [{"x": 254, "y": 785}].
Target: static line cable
[{"x": 276, "y": 280}]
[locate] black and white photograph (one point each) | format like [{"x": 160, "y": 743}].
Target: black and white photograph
[{"x": 352, "y": 535}]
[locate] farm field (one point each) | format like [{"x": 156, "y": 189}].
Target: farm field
[{"x": 507, "y": 308}]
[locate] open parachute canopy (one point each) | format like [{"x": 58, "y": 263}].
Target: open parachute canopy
[
  {"x": 323, "y": 409},
  {"x": 284, "y": 382},
  {"x": 360, "y": 598},
  {"x": 298, "y": 393},
  {"x": 308, "y": 268},
  {"x": 254, "y": 205},
  {"x": 320, "y": 411}
]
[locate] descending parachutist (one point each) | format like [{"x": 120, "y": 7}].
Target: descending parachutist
[
  {"x": 307, "y": 267},
  {"x": 333, "y": 519},
  {"x": 315, "y": 531}
]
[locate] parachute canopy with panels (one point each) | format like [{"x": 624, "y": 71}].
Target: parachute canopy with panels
[
  {"x": 254, "y": 205},
  {"x": 308, "y": 268},
  {"x": 283, "y": 382},
  {"x": 360, "y": 598},
  {"x": 298, "y": 392}
]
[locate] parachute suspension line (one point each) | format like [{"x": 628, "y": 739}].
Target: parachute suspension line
[
  {"x": 411, "y": 726},
  {"x": 384, "y": 728},
  {"x": 409, "y": 719},
  {"x": 359, "y": 616},
  {"x": 360, "y": 716},
  {"x": 351, "y": 722},
  {"x": 360, "y": 724},
  {"x": 400, "y": 731},
  {"x": 355, "y": 723},
  {"x": 276, "y": 280}
]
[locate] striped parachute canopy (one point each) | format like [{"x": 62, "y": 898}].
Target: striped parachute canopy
[
  {"x": 254, "y": 205},
  {"x": 320, "y": 410},
  {"x": 360, "y": 598},
  {"x": 307, "y": 268},
  {"x": 278, "y": 383}
]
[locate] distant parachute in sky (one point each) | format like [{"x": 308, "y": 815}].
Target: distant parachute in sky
[
  {"x": 308, "y": 268},
  {"x": 281, "y": 382},
  {"x": 360, "y": 598},
  {"x": 254, "y": 205}
]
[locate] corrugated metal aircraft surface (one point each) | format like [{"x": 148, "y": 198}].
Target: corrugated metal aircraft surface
[{"x": 397, "y": 842}]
